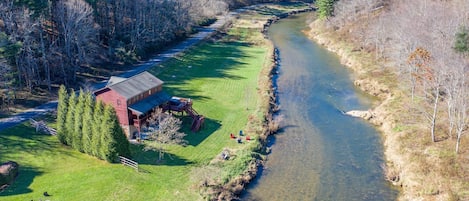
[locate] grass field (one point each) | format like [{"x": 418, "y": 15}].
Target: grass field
[{"x": 221, "y": 77}]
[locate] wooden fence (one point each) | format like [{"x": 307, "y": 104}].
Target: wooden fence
[
  {"x": 128, "y": 162},
  {"x": 42, "y": 127}
]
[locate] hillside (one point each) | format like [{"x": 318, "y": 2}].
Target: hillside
[{"x": 413, "y": 55}]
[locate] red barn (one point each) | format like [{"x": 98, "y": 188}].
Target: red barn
[{"x": 133, "y": 98}]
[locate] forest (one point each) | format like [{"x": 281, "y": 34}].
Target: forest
[
  {"x": 420, "y": 50},
  {"x": 45, "y": 43},
  {"x": 426, "y": 44}
]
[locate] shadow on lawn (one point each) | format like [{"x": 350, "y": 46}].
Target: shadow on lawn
[
  {"x": 22, "y": 182},
  {"x": 151, "y": 157},
  {"x": 268, "y": 11},
  {"x": 23, "y": 138},
  {"x": 265, "y": 10},
  {"x": 20, "y": 144},
  {"x": 211, "y": 60},
  {"x": 195, "y": 138}
]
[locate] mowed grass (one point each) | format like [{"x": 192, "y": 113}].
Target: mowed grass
[
  {"x": 48, "y": 166},
  {"x": 220, "y": 77}
]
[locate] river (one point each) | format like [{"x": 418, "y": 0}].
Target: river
[{"x": 320, "y": 154}]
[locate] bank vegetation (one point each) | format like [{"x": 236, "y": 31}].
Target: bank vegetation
[{"x": 413, "y": 55}]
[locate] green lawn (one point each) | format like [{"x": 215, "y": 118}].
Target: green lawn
[{"x": 220, "y": 77}]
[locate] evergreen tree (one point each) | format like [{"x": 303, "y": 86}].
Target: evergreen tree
[
  {"x": 107, "y": 150},
  {"x": 70, "y": 118},
  {"x": 461, "y": 44},
  {"x": 37, "y": 6},
  {"x": 325, "y": 8},
  {"x": 87, "y": 131},
  {"x": 122, "y": 143},
  {"x": 96, "y": 128},
  {"x": 62, "y": 114},
  {"x": 78, "y": 125}
]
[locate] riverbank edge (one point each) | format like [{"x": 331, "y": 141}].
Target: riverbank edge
[
  {"x": 412, "y": 167},
  {"x": 268, "y": 104},
  {"x": 383, "y": 115}
]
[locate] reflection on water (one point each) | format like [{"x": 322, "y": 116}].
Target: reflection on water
[{"x": 320, "y": 154}]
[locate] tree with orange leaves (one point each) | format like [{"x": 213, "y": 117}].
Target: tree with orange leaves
[{"x": 427, "y": 75}]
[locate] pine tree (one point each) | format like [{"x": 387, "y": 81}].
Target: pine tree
[
  {"x": 461, "y": 44},
  {"x": 325, "y": 8},
  {"x": 96, "y": 128},
  {"x": 92, "y": 127},
  {"x": 87, "y": 131},
  {"x": 78, "y": 125},
  {"x": 62, "y": 114},
  {"x": 122, "y": 143},
  {"x": 70, "y": 118},
  {"x": 108, "y": 149}
]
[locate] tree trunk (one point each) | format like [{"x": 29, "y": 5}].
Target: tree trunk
[{"x": 435, "y": 111}]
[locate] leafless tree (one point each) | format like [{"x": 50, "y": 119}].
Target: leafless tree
[
  {"x": 77, "y": 33},
  {"x": 396, "y": 29},
  {"x": 461, "y": 111},
  {"x": 431, "y": 79},
  {"x": 203, "y": 9},
  {"x": 163, "y": 129},
  {"x": 66, "y": 36}
]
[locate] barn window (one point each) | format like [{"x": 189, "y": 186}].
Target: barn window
[
  {"x": 118, "y": 102},
  {"x": 149, "y": 92}
]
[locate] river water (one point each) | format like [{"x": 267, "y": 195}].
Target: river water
[{"x": 320, "y": 154}]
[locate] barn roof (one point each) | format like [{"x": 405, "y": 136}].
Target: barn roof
[
  {"x": 115, "y": 80},
  {"x": 149, "y": 103},
  {"x": 135, "y": 85}
]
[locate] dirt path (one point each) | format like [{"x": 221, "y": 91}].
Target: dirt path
[{"x": 137, "y": 68}]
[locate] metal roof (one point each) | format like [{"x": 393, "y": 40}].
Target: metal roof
[
  {"x": 114, "y": 80},
  {"x": 149, "y": 103},
  {"x": 134, "y": 85}
]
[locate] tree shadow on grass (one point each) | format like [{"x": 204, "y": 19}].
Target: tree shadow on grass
[
  {"x": 210, "y": 60},
  {"x": 268, "y": 11},
  {"x": 24, "y": 138},
  {"x": 152, "y": 157},
  {"x": 22, "y": 182},
  {"x": 207, "y": 129},
  {"x": 184, "y": 93},
  {"x": 23, "y": 145},
  {"x": 193, "y": 139}
]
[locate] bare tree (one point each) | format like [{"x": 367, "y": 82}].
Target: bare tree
[
  {"x": 200, "y": 10},
  {"x": 431, "y": 81},
  {"x": 461, "y": 106},
  {"x": 163, "y": 129},
  {"x": 77, "y": 33},
  {"x": 59, "y": 38}
]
